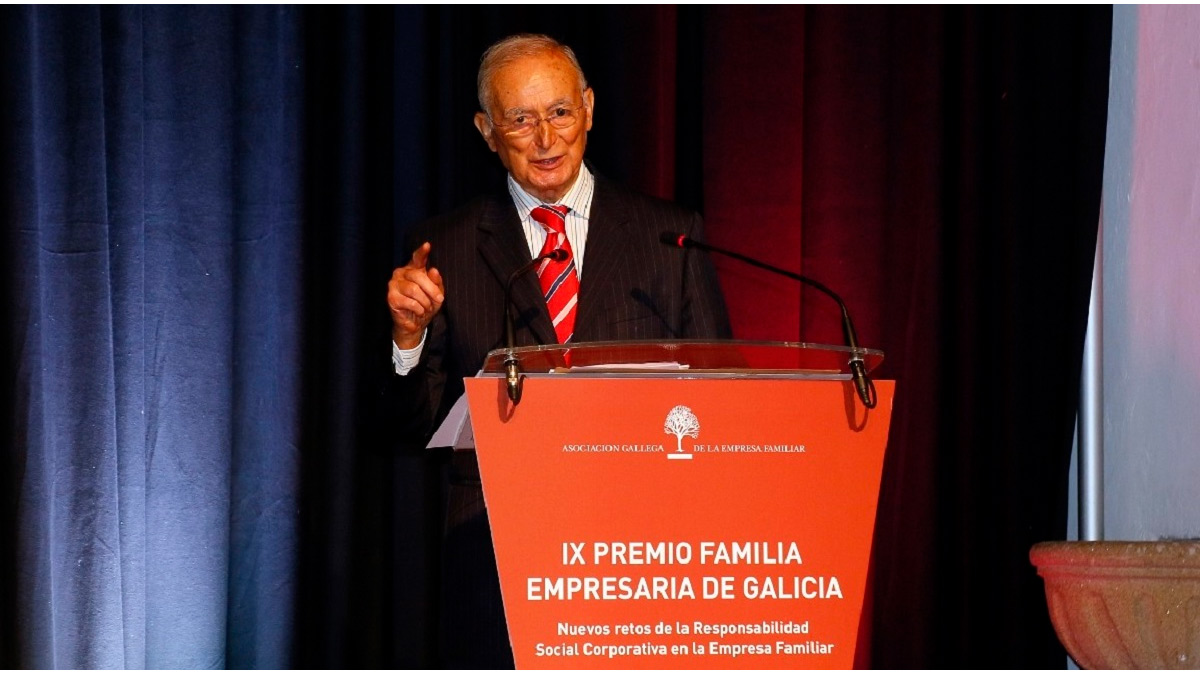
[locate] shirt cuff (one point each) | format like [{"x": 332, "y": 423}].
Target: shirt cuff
[{"x": 404, "y": 360}]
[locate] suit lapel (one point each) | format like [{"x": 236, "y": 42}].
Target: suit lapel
[
  {"x": 606, "y": 240},
  {"x": 503, "y": 247}
]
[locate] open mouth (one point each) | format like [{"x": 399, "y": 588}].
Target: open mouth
[{"x": 548, "y": 163}]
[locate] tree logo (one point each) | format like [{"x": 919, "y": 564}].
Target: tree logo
[{"x": 681, "y": 421}]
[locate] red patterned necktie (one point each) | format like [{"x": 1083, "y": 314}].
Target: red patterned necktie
[{"x": 560, "y": 284}]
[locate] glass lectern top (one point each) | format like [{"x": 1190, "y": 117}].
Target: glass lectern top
[{"x": 731, "y": 357}]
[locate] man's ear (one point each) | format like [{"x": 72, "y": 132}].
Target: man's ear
[
  {"x": 590, "y": 99},
  {"x": 484, "y": 125}
]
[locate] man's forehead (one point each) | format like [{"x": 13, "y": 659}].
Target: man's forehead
[
  {"x": 539, "y": 61},
  {"x": 547, "y": 73}
]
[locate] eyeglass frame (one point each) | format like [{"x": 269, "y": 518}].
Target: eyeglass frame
[{"x": 537, "y": 123}]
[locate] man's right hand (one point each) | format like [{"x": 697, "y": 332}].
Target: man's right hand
[{"x": 415, "y": 295}]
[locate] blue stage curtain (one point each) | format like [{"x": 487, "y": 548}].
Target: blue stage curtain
[{"x": 150, "y": 210}]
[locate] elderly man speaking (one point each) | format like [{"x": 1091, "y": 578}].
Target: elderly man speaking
[{"x": 617, "y": 282}]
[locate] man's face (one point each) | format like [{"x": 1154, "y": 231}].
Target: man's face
[{"x": 546, "y": 162}]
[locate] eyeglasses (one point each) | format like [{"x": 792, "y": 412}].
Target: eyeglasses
[{"x": 524, "y": 124}]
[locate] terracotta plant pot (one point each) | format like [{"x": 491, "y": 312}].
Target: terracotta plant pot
[{"x": 1124, "y": 604}]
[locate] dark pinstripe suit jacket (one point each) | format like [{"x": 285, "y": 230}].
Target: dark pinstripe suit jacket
[{"x": 633, "y": 287}]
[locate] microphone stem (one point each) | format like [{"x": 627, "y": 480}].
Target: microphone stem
[
  {"x": 512, "y": 365},
  {"x": 858, "y": 371}
]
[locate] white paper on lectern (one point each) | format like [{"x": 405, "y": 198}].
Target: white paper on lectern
[
  {"x": 654, "y": 365},
  {"x": 455, "y": 431}
]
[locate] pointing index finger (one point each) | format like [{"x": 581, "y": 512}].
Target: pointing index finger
[{"x": 420, "y": 257}]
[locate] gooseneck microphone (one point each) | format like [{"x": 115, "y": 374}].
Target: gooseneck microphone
[
  {"x": 858, "y": 370},
  {"x": 512, "y": 367}
]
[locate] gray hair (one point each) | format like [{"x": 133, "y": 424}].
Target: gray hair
[{"x": 517, "y": 47}]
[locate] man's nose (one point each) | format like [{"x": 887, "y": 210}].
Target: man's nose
[{"x": 544, "y": 133}]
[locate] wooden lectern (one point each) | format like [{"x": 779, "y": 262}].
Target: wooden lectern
[{"x": 698, "y": 505}]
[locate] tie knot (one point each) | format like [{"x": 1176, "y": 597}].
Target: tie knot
[{"x": 552, "y": 217}]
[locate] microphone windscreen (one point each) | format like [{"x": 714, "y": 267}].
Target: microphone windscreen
[{"x": 673, "y": 239}]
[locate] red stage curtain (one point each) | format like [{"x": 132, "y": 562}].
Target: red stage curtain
[{"x": 939, "y": 168}]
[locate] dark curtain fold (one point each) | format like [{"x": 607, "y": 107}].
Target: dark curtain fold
[
  {"x": 200, "y": 206},
  {"x": 952, "y": 176},
  {"x": 941, "y": 168},
  {"x": 351, "y": 484}
]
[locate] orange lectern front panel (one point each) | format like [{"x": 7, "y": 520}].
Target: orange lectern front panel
[{"x": 681, "y": 523}]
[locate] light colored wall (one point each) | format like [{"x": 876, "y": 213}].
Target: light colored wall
[{"x": 1151, "y": 276}]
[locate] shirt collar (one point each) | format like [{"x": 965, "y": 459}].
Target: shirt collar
[{"x": 578, "y": 198}]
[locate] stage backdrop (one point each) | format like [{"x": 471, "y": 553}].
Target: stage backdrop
[{"x": 200, "y": 207}]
